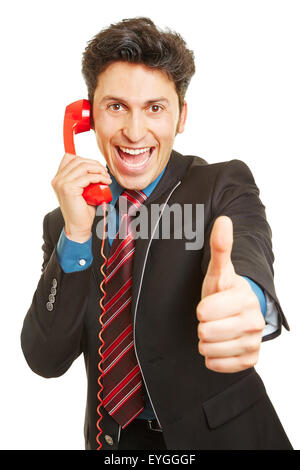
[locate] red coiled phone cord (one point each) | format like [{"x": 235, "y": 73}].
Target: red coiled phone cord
[{"x": 101, "y": 328}]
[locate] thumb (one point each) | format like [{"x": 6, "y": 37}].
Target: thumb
[
  {"x": 220, "y": 272},
  {"x": 221, "y": 240}
]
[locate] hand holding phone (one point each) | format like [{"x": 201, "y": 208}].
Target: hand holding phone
[{"x": 73, "y": 175}]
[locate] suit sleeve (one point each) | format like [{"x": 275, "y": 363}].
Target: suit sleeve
[
  {"x": 52, "y": 336},
  {"x": 236, "y": 195}
]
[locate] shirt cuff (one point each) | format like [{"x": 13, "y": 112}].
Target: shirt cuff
[
  {"x": 260, "y": 295},
  {"x": 268, "y": 308},
  {"x": 272, "y": 316},
  {"x": 73, "y": 256}
]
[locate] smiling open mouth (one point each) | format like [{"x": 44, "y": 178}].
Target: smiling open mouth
[{"x": 135, "y": 159}]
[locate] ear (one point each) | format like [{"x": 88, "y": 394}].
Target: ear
[
  {"x": 182, "y": 118},
  {"x": 92, "y": 121}
]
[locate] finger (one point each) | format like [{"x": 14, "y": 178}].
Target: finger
[
  {"x": 76, "y": 187},
  {"x": 68, "y": 157},
  {"x": 221, "y": 330},
  {"x": 232, "y": 364},
  {"x": 221, "y": 240},
  {"x": 85, "y": 180},
  {"x": 236, "y": 347},
  {"x": 220, "y": 305},
  {"x": 77, "y": 162},
  {"x": 224, "y": 304},
  {"x": 84, "y": 168}
]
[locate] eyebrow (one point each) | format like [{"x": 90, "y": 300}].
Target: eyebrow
[{"x": 116, "y": 98}]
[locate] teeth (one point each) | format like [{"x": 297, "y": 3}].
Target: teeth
[
  {"x": 136, "y": 165},
  {"x": 135, "y": 152},
  {"x": 131, "y": 165}
]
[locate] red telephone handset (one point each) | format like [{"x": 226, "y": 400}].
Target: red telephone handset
[{"x": 78, "y": 119}]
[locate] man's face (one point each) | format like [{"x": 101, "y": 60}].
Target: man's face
[{"x": 136, "y": 108}]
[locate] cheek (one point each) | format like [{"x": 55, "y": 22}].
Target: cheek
[
  {"x": 104, "y": 134},
  {"x": 104, "y": 125},
  {"x": 166, "y": 129}
]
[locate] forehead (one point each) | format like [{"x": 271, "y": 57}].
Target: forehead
[{"x": 138, "y": 80}]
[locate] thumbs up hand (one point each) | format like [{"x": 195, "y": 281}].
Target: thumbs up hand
[{"x": 230, "y": 319}]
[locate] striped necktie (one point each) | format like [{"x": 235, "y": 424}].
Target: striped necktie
[{"x": 122, "y": 380}]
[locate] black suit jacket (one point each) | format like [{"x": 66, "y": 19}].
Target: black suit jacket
[{"x": 196, "y": 407}]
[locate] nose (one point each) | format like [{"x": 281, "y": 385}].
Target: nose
[{"x": 135, "y": 126}]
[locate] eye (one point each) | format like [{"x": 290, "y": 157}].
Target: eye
[
  {"x": 114, "y": 104},
  {"x": 158, "y": 107}
]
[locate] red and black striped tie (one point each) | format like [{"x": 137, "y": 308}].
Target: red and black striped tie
[{"x": 122, "y": 380}]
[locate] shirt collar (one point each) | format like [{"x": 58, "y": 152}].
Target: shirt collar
[{"x": 116, "y": 189}]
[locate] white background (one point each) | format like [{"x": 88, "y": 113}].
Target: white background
[{"x": 243, "y": 102}]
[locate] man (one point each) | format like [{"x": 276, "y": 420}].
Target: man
[{"x": 196, "y": 316}]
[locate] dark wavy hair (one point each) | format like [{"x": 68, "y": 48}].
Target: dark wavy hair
[{"x": 138, "y": 40}]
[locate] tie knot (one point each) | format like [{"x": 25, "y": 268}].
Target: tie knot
[{"x": 130, "y": 201}]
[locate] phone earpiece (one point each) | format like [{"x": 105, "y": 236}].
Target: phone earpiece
[{"x": 77, "y": 119}]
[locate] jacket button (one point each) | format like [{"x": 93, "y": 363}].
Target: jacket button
[
  {"x": 53, "y": 290},
  {"x": 109, "y": 439},
  {"x": 54, "y": 282},
  {"x": 52, "y": 298},
  {"x": 49, "y": 306}
]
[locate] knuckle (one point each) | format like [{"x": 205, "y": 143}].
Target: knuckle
[
  {"x": 64, "y": 188},
  {"x": 250, "y": 346},
  {"x": 260, "y": 323},
  {"x": 199, "y": 312},
  {"x": 255, "y": 323},
  {"x": 207, "y": 363},
  {"x": 201, "y": 309},
  {"x": 83, "y": 165},
  {"x": 247, "y": 362},
  {"x": 221, "y": 284},
  {"x": 212, "y": 364},
  {"x": 57, "y": 184},
  {"x": 201, "y": 348},
  {"x": 201, "y": 331}
]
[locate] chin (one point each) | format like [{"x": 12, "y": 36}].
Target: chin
[{"x": 133, "y": 182}]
